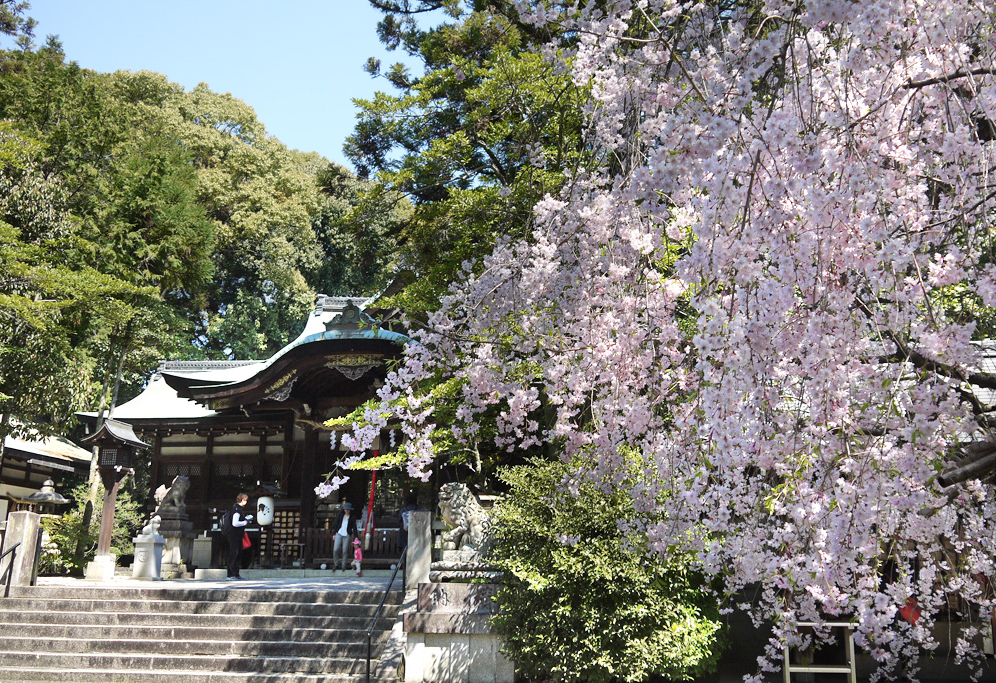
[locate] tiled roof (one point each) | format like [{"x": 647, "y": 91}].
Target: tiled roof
[{"x": 55, "y": 447}]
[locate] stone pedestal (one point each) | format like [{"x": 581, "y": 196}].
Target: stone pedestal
[
  {"x": 148, "y": 557},
  {"x": 200, "y": 556},
  {"x": 101, "y": 569},
  {"x": 419, "y": 558},
  {"x": 23, "y": 528},
  {"x": 179, "y": 534},
  {"x": 449, "y": 637},
  {"x": 462, "y": 565}
]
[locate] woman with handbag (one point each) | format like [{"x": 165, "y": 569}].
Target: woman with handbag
[{"x": 236, "y": 533}]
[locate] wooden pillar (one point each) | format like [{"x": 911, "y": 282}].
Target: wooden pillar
[
  {"x": 288, "y": 447},
  {"x": 208, "y": 471},
  {"x": 107, "y": 519},
  {"x": 308, "y": 487},
  {"x": 157, "y": 452},
  {"x": 308, "y": 478},
  {"x": 261, "y": 456}
]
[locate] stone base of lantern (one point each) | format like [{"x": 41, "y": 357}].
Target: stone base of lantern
[{"x": 101, "y": 569}]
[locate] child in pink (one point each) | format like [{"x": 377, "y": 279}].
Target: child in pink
[{"x": 357, "y": 555}]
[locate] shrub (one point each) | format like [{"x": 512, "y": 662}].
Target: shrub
[
  {"x": 66, "y": 532},
  {"x": 584, "y": 600}
]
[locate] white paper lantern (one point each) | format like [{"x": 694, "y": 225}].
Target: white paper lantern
[{"x": 264, "y": 510}]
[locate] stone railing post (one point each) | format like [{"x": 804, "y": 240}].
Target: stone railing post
[
  {"x": 419, "y": 548},
  {"x": 23, "y": 528}
]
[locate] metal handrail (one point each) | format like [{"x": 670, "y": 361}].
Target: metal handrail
[
  {"x": 383, "y": 599},
  {"x": 10, "y": 567}
]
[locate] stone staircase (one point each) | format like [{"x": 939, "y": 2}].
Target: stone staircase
[{"x": 145, "y": 635}]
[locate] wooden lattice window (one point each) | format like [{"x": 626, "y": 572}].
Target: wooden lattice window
[
  {"x": 187, "y": 469},
  {"x": 390, "y": 493},
  {"x": 234, "y": 469},
  {"x": 194, "y": 471},
  {"x": 108, "y": 456},
  {"x": 231, "y": 478}
]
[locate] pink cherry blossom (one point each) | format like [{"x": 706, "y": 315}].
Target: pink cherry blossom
[{"x": 753, "y": 299}]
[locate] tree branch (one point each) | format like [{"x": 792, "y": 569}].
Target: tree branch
[
  {"x": 906, "y": 354},
  {"x": 981, "y": 71}
]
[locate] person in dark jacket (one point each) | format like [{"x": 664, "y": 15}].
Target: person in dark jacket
[
  {"x": 345, "y": 532},
  {"x": 239, "y": 521}
]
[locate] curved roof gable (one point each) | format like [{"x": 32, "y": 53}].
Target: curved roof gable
[{"x": 338, "y": 328}]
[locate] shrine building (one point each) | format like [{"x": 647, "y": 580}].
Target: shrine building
[{"x": 258, "y": 426}]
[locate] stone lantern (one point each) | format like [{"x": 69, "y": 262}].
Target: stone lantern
[
  {"x": 44, "y": 501},
  {"x": 116, "y": 445}
]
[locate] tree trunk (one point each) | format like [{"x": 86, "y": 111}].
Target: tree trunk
[
  {"x": 4, "y": 419},
  {"x": 94, "y": 462},
  {"x": 94, "y": 476},
  {"x": 117, "y": 372}
]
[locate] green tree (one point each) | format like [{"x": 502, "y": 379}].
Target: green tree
[
  {"x": 283, "y": 228},
  {"x": 583, "y": 598},
  {"x": 262, "y": 198},
  {"x": 354, "y": 226},
  {"x": 49, "y": 302},
  {"x": 128, "y": 187},
  {"x": 490, "y": 128},
  {"x": 14, "y": 23}
]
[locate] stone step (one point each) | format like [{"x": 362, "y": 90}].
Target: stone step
[
  {"x": 185, "y": 594},
  {"x": 123, "y": 646},
  {"x": 258, "y": 608},
  {"x": 166, "y": 619},
  {"x": 179, "y": 633},
  {"x": 146, "y": 662},
  {"x": 54, "y": 675}
]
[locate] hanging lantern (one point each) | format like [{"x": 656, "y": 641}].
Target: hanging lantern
[{"x": 264, "y": 510}]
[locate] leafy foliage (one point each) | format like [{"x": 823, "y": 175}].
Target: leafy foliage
[
  {"x": 584, "y": 599},
  {"x": 488, "y": 130},
  {"x": 152, "y": 222},
  {"x": 481, "y": 136},
  {"x": 14, "y": 23},
  {"x": 49, "y": 301}
]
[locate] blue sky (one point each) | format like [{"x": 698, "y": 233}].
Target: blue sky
[{"x": 297, "y": 63}]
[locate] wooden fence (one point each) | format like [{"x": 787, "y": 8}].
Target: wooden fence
[{"x": 317, "y": 545}]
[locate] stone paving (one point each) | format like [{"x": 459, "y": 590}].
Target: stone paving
[{"x": 349, "y": 583}]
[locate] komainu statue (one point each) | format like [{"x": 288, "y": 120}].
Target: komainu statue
[
  {"x": 174, "y": 502},
  {"x": 461, "y": 511},
  {"x": 152, "y": 528}
]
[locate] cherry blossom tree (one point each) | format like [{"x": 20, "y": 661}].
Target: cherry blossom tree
[{"x": 777, "y": 291}]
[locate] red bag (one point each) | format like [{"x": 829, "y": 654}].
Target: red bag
[
  {"x": 910, "y": 612},
  {"x": 246, "y": 543}
]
